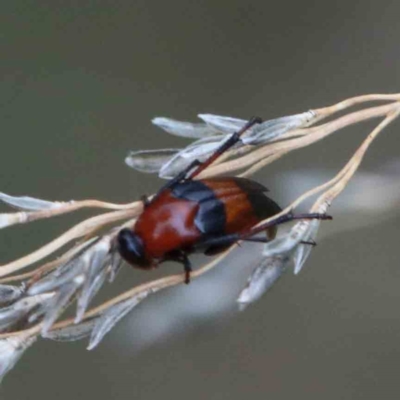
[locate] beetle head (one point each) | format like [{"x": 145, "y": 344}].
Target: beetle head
[{"x": 130, "y": 247}]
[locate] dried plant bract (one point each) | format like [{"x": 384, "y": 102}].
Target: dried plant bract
[{"x": 37, "y": 288}]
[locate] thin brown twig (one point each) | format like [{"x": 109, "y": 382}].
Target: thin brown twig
[
  {"x": 336, "y": 185},
  {"x": 310, "y": 135},
  {"x": 79, "y": 230}
]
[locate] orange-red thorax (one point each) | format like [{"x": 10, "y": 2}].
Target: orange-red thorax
[{"x": 166, "y": 224}]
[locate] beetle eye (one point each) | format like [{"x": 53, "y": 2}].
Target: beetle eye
[{"x": 130, "y": 247}]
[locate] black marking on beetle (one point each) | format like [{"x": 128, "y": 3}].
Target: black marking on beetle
[
  {"x": 211, "y": 217},
  {"x": 262, "y": 205}
]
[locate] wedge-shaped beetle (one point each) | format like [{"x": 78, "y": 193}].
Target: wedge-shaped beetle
[{"x": 205, "y": 215}]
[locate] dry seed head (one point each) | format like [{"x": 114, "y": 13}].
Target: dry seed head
[{"x": 32, "y": 307}]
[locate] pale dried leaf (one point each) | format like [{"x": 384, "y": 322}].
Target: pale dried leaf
[
  {"x": 78, "y": 263},
  {"x": 183, "y": 129},
  {"x": 277, "y": 254},
  {"x": 112, "y": 316},
  {"x": 202, "y": 147},
  {"x": 303, "y": 250},
  {"x": 223, "y": 124},
  {"x": 10, "y": 293},
  {"x": 150, "y": 161},
  {"x": 95, "y": 274},
  {"x": 8, "y": 219},
  {"x": 15, "y": 312},
  {"x": 288, "y": 241},
  {"x": 72, "y": 333},
  {"x": 263, "y": 277},
  {"x": 60, "y": 277},
  {"x": 274, "y": 128},
  {"x": 116, "y": 263},
  {"x": 11, "y": 350},
  {"x": 198, "y": 150},
  {"x": 99, "y": 258},
  {"x": 59, "y": 302},
  {"x": 88, "y": 292},
  {"x": 29, "y": 203}
]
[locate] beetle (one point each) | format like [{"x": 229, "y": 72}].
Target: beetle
[{"x": 205, "y": 215}]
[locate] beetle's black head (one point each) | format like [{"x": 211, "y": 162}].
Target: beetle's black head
[{"x": 130, "y": 247}]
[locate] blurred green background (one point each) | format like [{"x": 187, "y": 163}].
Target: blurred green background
[{"x": 79, "y": 84}]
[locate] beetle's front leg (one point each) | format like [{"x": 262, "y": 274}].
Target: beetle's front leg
[
  {"x": 187, "y": 266},
  {"x": 181, "y": 257}
]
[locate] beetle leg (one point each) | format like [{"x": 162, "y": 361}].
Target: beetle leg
[
  {"x": 181, "y": 257},
  {"x": 145, "y": 200},
  {"x": 266, "y": 240},
  {"x": 235, "y": 137},
  {"x": 257, "y": 239},
  {"x": 187, "y": 266},
  {"x": 282, "y": 219},
  {"x": 212, "y": 245},
  {"x": 200, "y": 166},
  {"x": 180, "y": 176},
  {"x": 219, "y": 244},
  {"x": 309, "y": 242}
]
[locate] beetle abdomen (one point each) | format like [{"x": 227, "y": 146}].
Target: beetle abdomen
[
  {"x": 211, "y": 216},
  {"x": 227, "y": 205}
]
